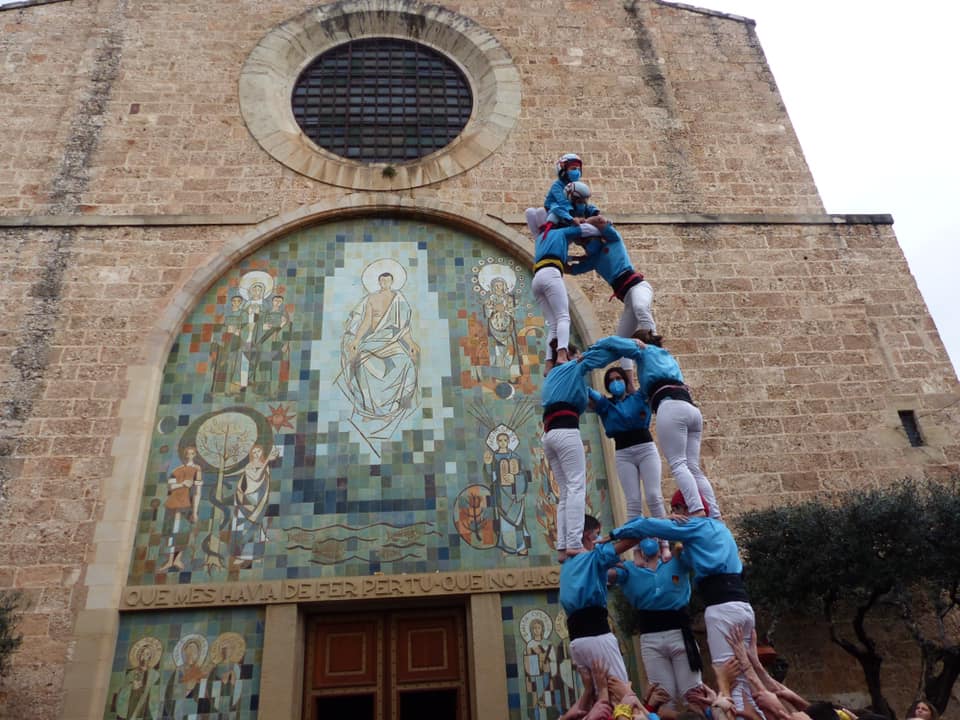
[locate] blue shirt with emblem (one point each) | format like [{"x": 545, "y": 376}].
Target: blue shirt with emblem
[
  {"x": 708, "y": 545},
  {"x": 666, "y": 588}
]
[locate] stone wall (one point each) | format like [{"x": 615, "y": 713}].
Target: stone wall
[{"x": 802, "y": 340}]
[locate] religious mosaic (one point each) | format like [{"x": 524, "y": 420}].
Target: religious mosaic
[
  {"x": 187, "y": 666},
  {"x": 355, "y": 398},
  {"x": 542, "y": 681}
]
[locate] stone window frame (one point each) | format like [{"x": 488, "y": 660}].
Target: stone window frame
[{"x": 273, "y": 66}]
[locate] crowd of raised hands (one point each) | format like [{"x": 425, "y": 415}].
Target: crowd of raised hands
[{"x": 606, "y": 697}]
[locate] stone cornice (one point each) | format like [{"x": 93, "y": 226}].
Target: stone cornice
[{"x": 46, "y": 221}]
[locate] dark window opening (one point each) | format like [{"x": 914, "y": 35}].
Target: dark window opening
[
  {"x": 382, "y": 100},
  {"x": 909, "y": 421}
]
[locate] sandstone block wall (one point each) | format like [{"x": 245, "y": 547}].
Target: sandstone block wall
[{"x": 801, "y": 340}]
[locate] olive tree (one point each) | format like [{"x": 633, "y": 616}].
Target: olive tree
[{"x": 846, "y": 558}]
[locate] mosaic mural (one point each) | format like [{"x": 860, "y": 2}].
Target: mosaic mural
[
  {"x": 357, "y": 397},
  {"x": 542, "y": 682},
  {"x": 187, "y": 666}
]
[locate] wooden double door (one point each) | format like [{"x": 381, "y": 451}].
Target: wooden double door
[{"x": 393, "y": 665}]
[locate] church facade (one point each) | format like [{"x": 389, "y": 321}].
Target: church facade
[{"x": 272, "y": 391}]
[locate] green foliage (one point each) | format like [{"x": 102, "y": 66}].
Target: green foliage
[
  {"x": 896, "y": 548},
  {"x": 807, "y": 557},
  {"x": 9, "y": 618}
]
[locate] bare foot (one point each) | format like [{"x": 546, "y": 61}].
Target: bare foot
[
  {"x": 562, "y": 356},
  {"x": 573, "y": 552}
]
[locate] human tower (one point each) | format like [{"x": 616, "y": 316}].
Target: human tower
[{"x": 646, "y": 381}]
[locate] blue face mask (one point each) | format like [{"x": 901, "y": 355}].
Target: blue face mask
[
  {"x": 617, "y": 388},
  {"x": 573, "y": 174}
]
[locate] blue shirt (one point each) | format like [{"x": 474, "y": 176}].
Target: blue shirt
[
  {"x": 609, "y": 259},
  {"x": 666, "y": 588},
  {"x": 583, "y": 578},
  {"x": 708, "y": 545},
  {"x": 658, "y": 364},
  {"x": 557, "y": 203},
  {"x": 631, "y": 412},
  {"x": 555, "y": 243},
  {"x": 565, "y": 383}
]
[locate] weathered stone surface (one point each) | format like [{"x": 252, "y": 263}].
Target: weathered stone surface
[{"x": 801, "y": 340}]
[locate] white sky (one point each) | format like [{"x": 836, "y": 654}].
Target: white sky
[{"x": 872, "y": 90}]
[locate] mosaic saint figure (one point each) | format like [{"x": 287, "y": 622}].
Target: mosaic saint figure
[
  {"x": 539, "y": 661},
  {"x": 567, "y": 677},
  {"x": 508, "y": 484},
  {"x": 222, "y": 689},
  {"x": 253, "y": 328},
  {"x": 230, "y": 356},
  {"x": 379, "y": 358},
  {"x": 139, "y": 697},
  {"x": 273, "y": 354},
  {"x": 183, "y": 687},
  {"x": 183, "y": 500},
  {"x": 247, "y": 524},
  {"x": 499, "y": 307}
]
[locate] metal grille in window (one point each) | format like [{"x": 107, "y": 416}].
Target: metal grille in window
[{"x": 382, "y": 100}]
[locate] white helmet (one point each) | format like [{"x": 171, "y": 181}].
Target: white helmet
[
  {"x": 577, "y": 192},
  {"x": 566, "y": 159}
]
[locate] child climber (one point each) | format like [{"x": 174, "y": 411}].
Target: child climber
[
  {"x": 550, "y": 260},
  {"x": 557, "y": 210}
]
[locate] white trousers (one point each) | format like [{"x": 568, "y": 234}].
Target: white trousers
[
  {"x": 551, "y": 295},
  {"x": 563, "y": 448},
  {"x": 583, "y": 651},
  {"x": 679, "y": 431},
  {"x": 665, "y": 660},
  {"x": 637, "y": 315},
  {"x": 720, "y": 621},
  {"x": 638, "y": 468}
]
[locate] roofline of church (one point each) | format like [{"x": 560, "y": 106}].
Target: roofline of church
[{"x": 705, "y": 11}]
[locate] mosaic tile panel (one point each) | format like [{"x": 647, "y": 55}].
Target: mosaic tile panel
[
  {"x": 354, "y": 398},
  {"x": 183, "y": 665},
  {"x": 542, "y": 682}
]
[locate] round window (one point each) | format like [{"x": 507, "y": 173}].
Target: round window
[
  {"x": 382, "y": 100},
  {"x": 380, "y": 94}
]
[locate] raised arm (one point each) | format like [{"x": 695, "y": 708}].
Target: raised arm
[
  {"x": 605, "y": 351},
  {"x": 598, "y": 402},
  {"x": 642, "y": 527},
  {"x": 588, "y": 261}
]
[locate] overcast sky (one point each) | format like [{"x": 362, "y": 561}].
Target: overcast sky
[{"x": 872, "y": 90}]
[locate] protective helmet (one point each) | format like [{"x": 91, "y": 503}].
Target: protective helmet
[
  {"x": 577, "y": 192},
  {"x": 649, "y": 547},
  {"x": 565, "y": 160}
]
